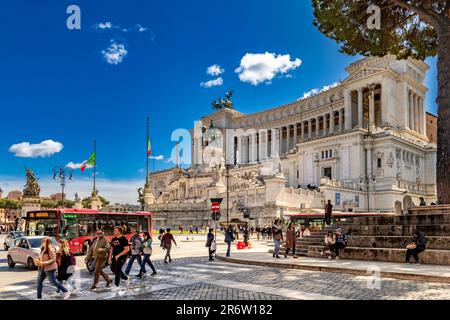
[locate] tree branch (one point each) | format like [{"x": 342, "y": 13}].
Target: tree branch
[{"x": 429, "y": 16}]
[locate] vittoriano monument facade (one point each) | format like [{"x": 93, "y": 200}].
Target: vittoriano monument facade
[{"x": 362, "y": 144}]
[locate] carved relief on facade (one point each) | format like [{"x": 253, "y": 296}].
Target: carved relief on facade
[{"x": 390, "y": 160}]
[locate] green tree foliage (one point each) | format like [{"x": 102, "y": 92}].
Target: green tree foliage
[
  {"x": 409, "y": 28},
  {"x": 10, "y": 204}
]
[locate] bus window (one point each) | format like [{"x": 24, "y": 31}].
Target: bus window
[
  {"x": 102, "y": 222},
  {"x": 86, "y": 227},
  {"x": 132, "y": 224},
  {"x": 143, "y": 223}
]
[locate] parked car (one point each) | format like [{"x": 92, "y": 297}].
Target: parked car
[
  {"x": 24, "y": 250},
  {"x": 11, "y": 237}
]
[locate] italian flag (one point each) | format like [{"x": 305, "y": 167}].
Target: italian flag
[
  {"x": 89, "y": 162},
  {"x": 149, "y": 148}
]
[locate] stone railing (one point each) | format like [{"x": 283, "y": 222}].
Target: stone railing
[
  {"x": 178, "y": 206},
  {"x": 351, "y": 185}
]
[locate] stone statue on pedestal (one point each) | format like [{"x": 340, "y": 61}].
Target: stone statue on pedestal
[
  {"x": 78, "y": 202},
  {"x": 31, "y": 189},
  {"x": 141, "y": 198}
]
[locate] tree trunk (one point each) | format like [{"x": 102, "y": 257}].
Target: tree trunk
[{"x": 443, "y": 102}]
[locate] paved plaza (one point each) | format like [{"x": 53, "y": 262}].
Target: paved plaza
[{"x": 191, "y": 276}]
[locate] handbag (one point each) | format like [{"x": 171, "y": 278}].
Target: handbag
[
  {"x": 58, "y": 259},
  {"x": 213, "y": 246},
  {"x": 70, "y": 269}
]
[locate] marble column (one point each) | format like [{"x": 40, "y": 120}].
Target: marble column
[
  {"x": 266, "y": 144},
  {"x": 303, "y": 130},
  {"x": 324, "y": 132},
  {"x": 416, "y": 113},
  {"x": 372, "y": 110},
  {"x": 295, "y": 134},
  {"x": 360, "y": 108},
  {"x": 348, "y": 109},
  {"x": 341, "y": 128},
  {"x": 317, "y": 126},
  {"x": 309, "y": 128},
  {"x": 411, "y": 110},
  {"x": 253, "y": 149},
  {"x": 332, "y": 122},
  {"x": 239, "y": 150},
  {"x": 261, "y": 145},
  {"x": 288, "y": 138},
  {"x": 423, "y": 116},
  {"x": 275, "y": 144}
]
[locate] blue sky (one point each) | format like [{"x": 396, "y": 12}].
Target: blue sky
[{"x": 57, "y": 84}]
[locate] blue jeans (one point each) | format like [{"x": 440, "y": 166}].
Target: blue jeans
[
  {"x": 51, "y": 274},
  {"x": 130, "y": 263},
  {"x": 147, "y": 260},
  {"x": 277, "y": 246},
  {"x": 228, "y": 249}
]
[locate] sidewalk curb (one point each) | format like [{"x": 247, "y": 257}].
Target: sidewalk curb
[{"x": 383, "y": 274}]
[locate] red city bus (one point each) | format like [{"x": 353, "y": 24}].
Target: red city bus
[{"x": 78, "y": 226}]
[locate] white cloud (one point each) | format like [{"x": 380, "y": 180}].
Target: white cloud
[
  {"x": 44, "y": 149},
  {"x": 115, "y": 53},
  {"x": 121, "y": 190},
  {"x": 212, "y": 83},
  {"x": 141, "y": 28},
  {"x": 160, "y": 157},
  {"x": 316, "y": 91},
  {"x": 256, "y": 68},
  {"x": 215, "y": 70},
  {"x": 109, "y": 25},
  {"x": 104, "y": 25}
]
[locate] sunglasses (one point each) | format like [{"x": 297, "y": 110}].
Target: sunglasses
[{"x": 99, "y": 232}]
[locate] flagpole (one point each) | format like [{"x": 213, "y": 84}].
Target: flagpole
[
  {"x": 95, "y": 163},
  {"x": 146, "y": 170}
]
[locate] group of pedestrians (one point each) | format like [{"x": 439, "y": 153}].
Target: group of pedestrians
[
  {"x": 59, "y": 266},
  {"x": 335, "y": 242}
]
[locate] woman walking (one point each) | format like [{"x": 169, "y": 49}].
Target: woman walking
[
  {"x": 47, "y": 268},
  {"x": 66, "y": 263},
  {"x": 147, "y": 245},
  {"x": 277, "y": 237},
  {"x": 291, "y": 239}
]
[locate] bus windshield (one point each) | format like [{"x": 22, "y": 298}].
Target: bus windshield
[{"x": 41, "y": 227}]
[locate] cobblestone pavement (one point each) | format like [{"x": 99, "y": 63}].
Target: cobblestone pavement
[{"x": 196, "y": 278}]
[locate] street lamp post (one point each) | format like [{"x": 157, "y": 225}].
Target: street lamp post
[
  {"x": 61, "y": 172},
  {"x": 367, "y": 178}
]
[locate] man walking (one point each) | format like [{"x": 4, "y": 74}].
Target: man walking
[
  {"x": 328, "y": 212},
  {"x": 118, "y": 256},
  {"x": 99, "y": 250},
  {"x": 167, "y": 244},
  {"x": 210, "y": 244},
  {"x": 228, "y": 239},
  {"x": 136, "y": 244}
]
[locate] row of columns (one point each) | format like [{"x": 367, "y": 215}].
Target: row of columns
[
  {"x": 416, "y": 112},
  {"x": 266, "y": 143}
]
